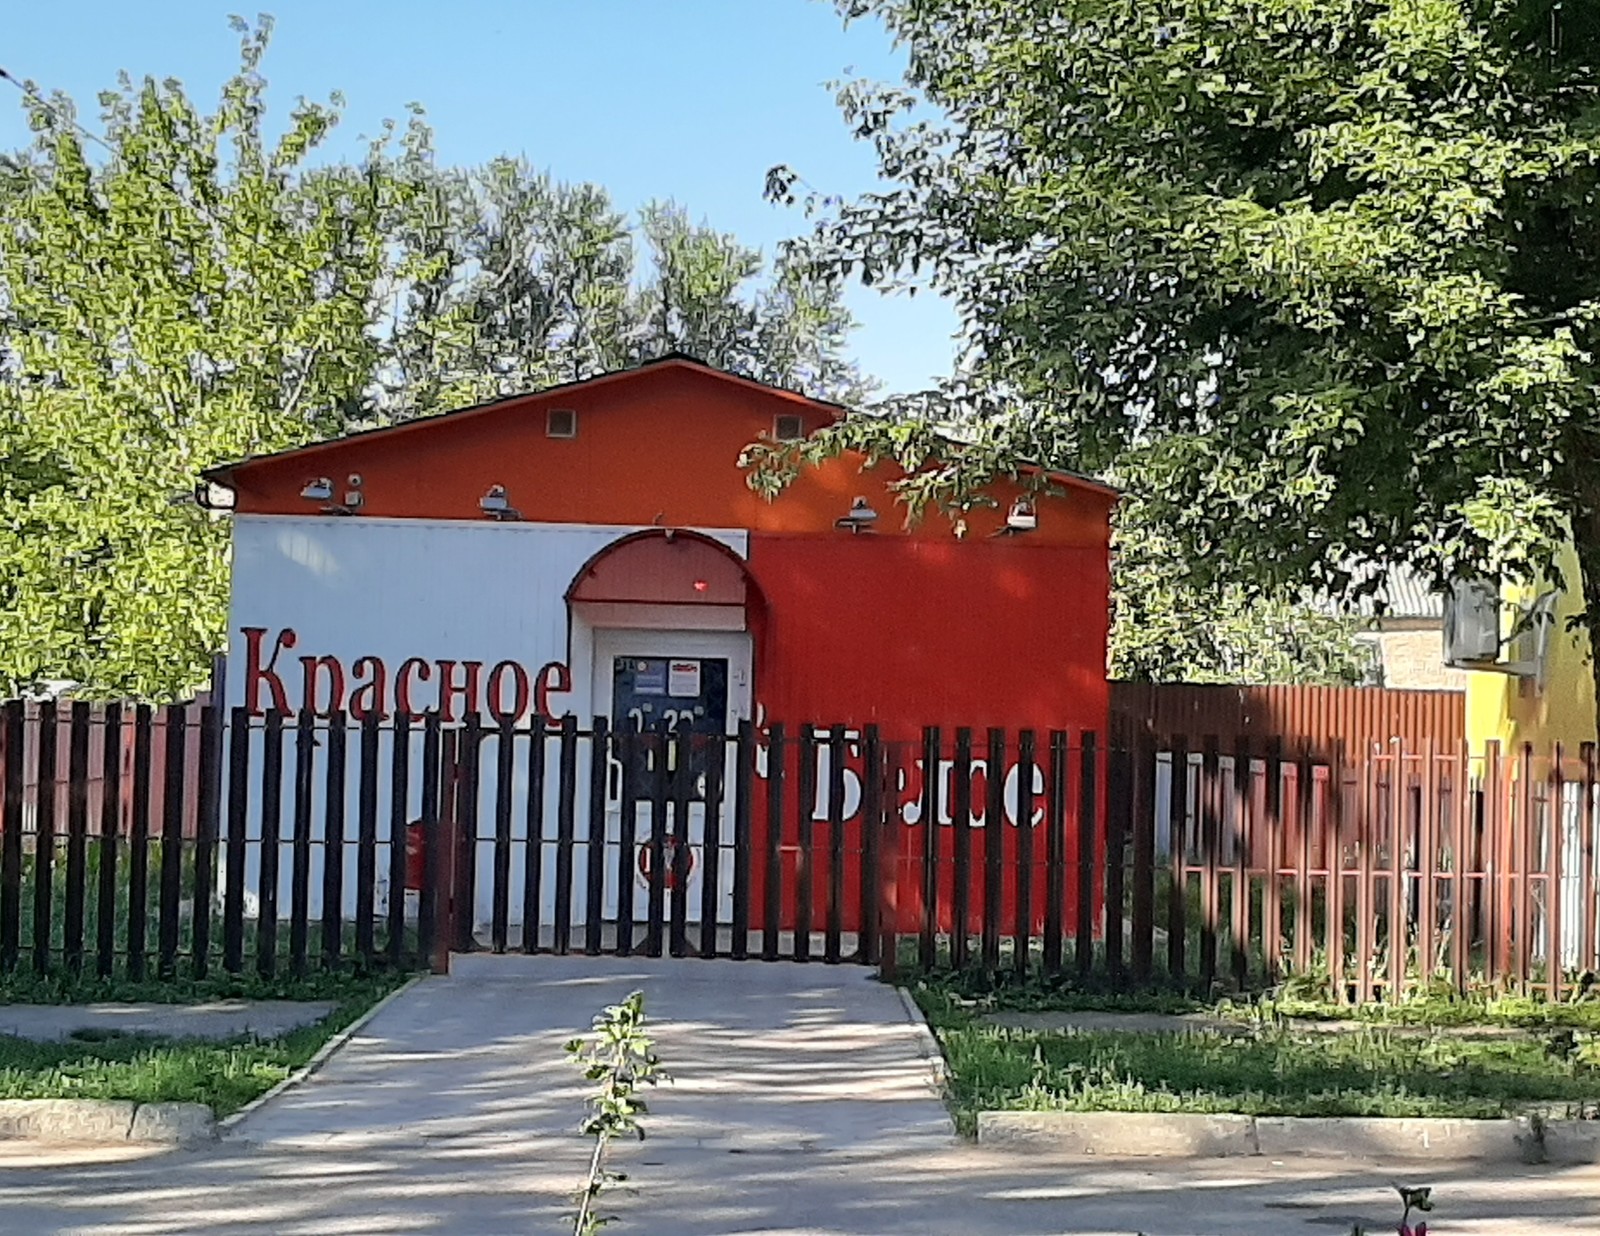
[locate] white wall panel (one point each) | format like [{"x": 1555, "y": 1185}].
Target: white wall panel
[{"x": 438, "y": 590}]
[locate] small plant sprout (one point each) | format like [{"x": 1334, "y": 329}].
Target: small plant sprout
[
  {"x": 1414, "y": 1198},
  {"x": 619, "y": 1058},
  {"x": 1418, "y": 1198}
]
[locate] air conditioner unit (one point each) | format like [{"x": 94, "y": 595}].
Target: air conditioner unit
[
  {"x": 1472, "y": 631},
  {"x": 1472, "y": 623}
]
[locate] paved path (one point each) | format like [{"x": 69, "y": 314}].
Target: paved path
[
  {"x": 802, "y": 1107},
  {"x": 215, "y": 1019}
]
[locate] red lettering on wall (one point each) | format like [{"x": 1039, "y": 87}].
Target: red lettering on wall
[
  {"x": 554, "y": 679},
  {"x": 520, "y": 688},
  {"x": 370, "y": 699},
  {"x": 310, "y": 668},
  {"x": 402, "y": 682},
  {"x": 468, "y": 690},
  {"x": 255, "y": 673}
]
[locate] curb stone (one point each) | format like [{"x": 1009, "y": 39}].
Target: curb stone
[
  {"x": 1123, "y": 1134},
  {"x": 927, "y": 1042},
  {"x": 105, "y": 1120},
  {"x": 229, "y": 1123},
  {"x": 1184, "y": 1135}
]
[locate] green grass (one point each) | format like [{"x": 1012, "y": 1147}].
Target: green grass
[
  {"x": 23, "y": 986},
  {"x": 226, "y": 1075},
  {"x": 1295, "y": 1000},
  {"x": 1276, "y": 1070}
]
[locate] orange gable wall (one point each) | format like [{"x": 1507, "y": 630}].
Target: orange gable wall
[{"x": 656, "y": 445}]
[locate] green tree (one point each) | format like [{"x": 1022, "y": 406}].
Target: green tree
[
  {"x": 511, "y": 280},
  {"x": 1167, "y": 628},
  {"x": 189, "y": 293},
  {"x": 1317, "y": 276}
]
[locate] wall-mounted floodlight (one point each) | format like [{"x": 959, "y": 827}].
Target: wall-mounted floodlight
[
  {"x": 1022, "y": 517},
  {"x": 859, "y": 518},
  {"x": 496, "y": 505}
]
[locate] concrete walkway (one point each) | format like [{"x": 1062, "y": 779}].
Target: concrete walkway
[
  {"x": 214, "y": 1019},
  {"x": 802, "y": 1107}
]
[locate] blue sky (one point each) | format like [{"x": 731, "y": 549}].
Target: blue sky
[{"x": 686, "y": 99}]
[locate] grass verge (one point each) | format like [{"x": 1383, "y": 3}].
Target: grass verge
[
  {"x": 1276, "y": 1070},
  {"x": 1295, "y": 1000},
  {"x": 224, "y": 1074}
]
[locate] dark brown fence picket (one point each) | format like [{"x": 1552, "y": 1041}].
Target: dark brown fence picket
[
  {"x": 927, "y": 937},
  {"x": 1119, "y": 819},
  {"x": 872, "y": 825},
  {"x": 656, "y": 848},
  {"x": 44, "y": 837},
  {"x": 805, "y": 856},
  {"x": 1021, "y": 959},
  {"x": 139, "y": 842},
  {"x": 993, "y": 848},
  {"x": 595, "y": 847},
  {"x": 271, "y": 823},
  {"x": 566, "y": 807},
  {"x": 11, "y": 839},
  {"x": 505, "y": 774},
  {"x": 961, "y": 821},
  {"x": 832, "y": 946},
  {"x": 305, "y": 750},
  {"x": 533, "y": 854},
  {"x": 110, "y": 820},
  {"x": 207, "y": 816},
  {"x": 1088, "y": 831},
  {"x": 463, "y": 882},
  {"x": 744, "y": 805},
  {"x": 77, "y": 837},
  {"x": 680, "y": 776},
  {"x": 1055, "y": 926},
  {"x": 772, "y": 881},
  {"x": 367, "y": 837},
  {"x": 716, "y": 753},
  {"x": 175, "y": 785},
  {"x": 433, "y": 835},
  {"x": 1143, "y": 757},
  {"x": 336, "y": 764},
  {"x": 630, "y": 749},
  {"x": 399, "y": 838}
]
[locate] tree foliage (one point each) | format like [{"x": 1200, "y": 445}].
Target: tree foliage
[
  {"x": 193, "y": 291},
  {"x": 1167, "y": 628},
  {"x": 511, "y": 280},
  {"x": 198, "y": 294},
  {"x": 1318, "y": 277}
]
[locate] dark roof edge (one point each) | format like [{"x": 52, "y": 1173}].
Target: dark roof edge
[{"x": 221, "y": 472}]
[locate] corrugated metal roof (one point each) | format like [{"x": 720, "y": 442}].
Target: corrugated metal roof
[{"x": 1403, "y": 594}]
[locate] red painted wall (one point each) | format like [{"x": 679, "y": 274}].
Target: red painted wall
[{"x": 905, "y": 634}]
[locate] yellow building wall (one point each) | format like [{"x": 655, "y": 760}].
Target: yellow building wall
[{"x": 1518, "y": 710}]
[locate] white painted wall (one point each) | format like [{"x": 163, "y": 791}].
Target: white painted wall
[
  {"x": 353, "y": 587},
  {"x": 398, "y": 588}
]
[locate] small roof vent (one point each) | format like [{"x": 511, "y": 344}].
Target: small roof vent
[
  {"x": 561, "y": 423},
  {"x": 788, "y": 427}
]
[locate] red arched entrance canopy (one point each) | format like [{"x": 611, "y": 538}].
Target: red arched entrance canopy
[{"x": 680, "y": 579}]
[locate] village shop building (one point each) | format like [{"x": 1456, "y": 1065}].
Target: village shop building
[{"x": 595, "y": 551}]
